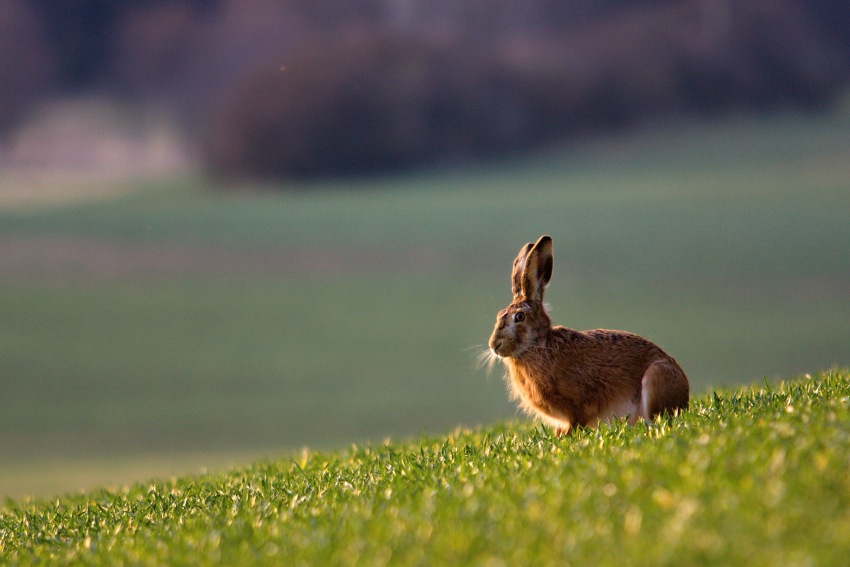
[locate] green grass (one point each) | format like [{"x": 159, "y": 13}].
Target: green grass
[
  {"x": 725, "y": 243},
  {"x": 750, "y": 475}
]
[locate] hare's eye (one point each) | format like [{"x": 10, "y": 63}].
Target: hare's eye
[{"x": 519, "y": 317}]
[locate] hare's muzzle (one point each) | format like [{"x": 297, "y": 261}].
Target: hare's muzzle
[
  {"x": 495, "y": 344},
  {"x": 497, "y": 341},
  {"x": 502, "y": 341}
]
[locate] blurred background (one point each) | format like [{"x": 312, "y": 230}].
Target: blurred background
[{"x": 230, "y": 229}]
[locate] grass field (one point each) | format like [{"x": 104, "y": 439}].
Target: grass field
[
  {"x": 189, "y": 328},
  {"x": 745, "y": 476}
]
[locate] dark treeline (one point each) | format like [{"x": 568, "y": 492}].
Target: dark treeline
[{"x": 306, "y": 88}]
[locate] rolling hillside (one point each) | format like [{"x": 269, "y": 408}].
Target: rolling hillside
[{"x": 749, "y": 475}]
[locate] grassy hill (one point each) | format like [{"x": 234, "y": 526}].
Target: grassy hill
[{"x": 750, "y": 475}]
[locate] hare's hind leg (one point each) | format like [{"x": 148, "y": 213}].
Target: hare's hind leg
[{"x": 664, "y": 388}]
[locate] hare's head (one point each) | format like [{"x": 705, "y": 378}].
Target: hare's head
[{"x": 524, "y": 323}]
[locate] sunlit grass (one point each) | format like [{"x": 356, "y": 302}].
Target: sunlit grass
[{"x": 757, "y": 474}]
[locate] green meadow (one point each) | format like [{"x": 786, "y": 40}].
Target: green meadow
[
  {"x": 754, "y": 475},
  {"x": 181, "y": 325}
]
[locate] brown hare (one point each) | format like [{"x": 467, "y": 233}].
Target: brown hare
[{"x": 578, "y": 378}]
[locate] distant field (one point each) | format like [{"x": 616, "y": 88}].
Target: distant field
[{"x": 182, "y": 321}]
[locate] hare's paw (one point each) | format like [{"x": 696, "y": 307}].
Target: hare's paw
[{"x": 561, "y": 430}]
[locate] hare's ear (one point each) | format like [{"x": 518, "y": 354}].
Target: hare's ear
[
  {"x": 518, "y": 269},
  {"x": 538, "y": 269}
]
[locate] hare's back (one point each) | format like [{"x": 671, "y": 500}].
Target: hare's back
[
  {"x": 625, "y": 345},
  {"x": 617, "y": 338},
  {"x": 605, "y": 354}
]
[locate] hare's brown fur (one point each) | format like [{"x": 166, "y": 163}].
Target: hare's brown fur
[{"x": 570, "y": 377}]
